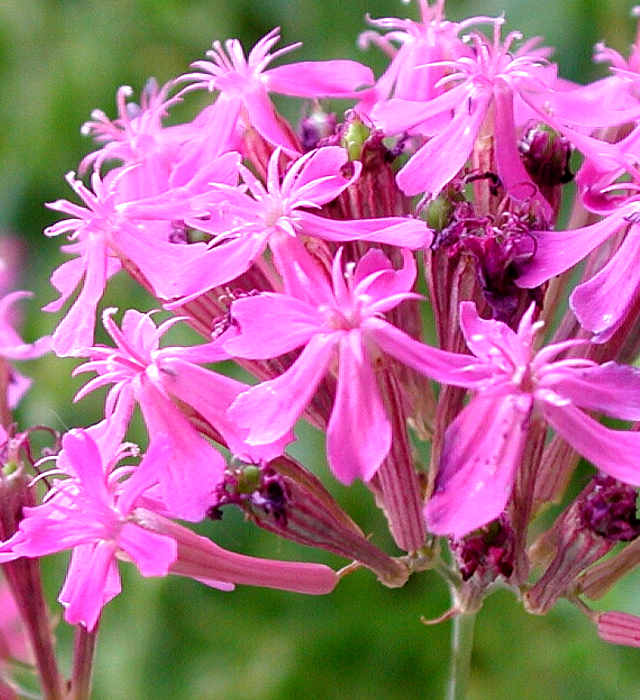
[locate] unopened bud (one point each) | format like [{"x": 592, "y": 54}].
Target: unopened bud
[
  {"x": 603, "y": 514},
  {"x": 546, "y": 156},
  {"x": 285, "y": 499},
  {"x": 483, "y": 557},
  {"x": 619, "y": 628}
]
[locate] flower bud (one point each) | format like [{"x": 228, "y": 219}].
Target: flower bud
[
  {"x": 285, "y": 499},
  {"x": 546, "y": 156},
  {"x": 619, "y": 628},
  {"x": 482, "y": 557},
  {"x": 603, "y": 514}
]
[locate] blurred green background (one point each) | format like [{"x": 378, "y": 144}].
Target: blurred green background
[{"x": 161, "y": 639}]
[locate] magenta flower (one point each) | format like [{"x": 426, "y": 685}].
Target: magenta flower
[
  {"x": 416, "y": 50},
  {"x": 137, "y": 136},
  {"x": 92, "y": 512},
  {"x": 517, "y": 86},
  {"x": 484, "y": 444},
  {"x": 194, "y": 467},
  {"x": 250, "y": 221},
  {"x": 244, "y": 84},
  {"x": 342, "y": 322},
  {"x": 101, "y": 512},
  {"x": 142, "y": 372},
  {"x": 111, "y": 227},
  {"x": 152, "y": 157},
  {"x": 89, "y": 229}
]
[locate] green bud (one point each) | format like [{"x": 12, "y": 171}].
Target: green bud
[
  {"x": 354, "y": 137},
  {"x": 195, "y": 236},
  {"x": 439, "y": 213},
  {"x": 248, "y": 476}
]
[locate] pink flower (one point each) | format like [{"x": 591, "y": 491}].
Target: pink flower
[
  {"x": 111, "y": 227},
  {"x": 344, "y": 322},
  {"x": 415, "y": 71},
  {"x": 100, "y": 512},
  {"x": 137, "y": 136},
  {"x": 484, "y": 444},
  {"x": 89, "y": 229},
  {"x": 142, "y": 372},
  {"x": 250, "y": 220},
  {"x": 92, "y": 512},
  {"x": 244, "y": 84},
  {"x": 517, "y": 86},
  {"x": 194, "y": 467}
]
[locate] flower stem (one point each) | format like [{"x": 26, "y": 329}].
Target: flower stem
[
  {"x": 461, "y": 649},
  {"x": 83, "y": 653},
  {"x": 23, "y": 576}
]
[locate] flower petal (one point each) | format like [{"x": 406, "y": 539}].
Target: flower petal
[
  {"x": 92, "y": 581},
  {"x": 557, "y": 251},
  {"x": 441, "y": 365},
  {"x": 152, "y": 553},
  {"x": 270, "y": 409},
  {"x": 215, "y": 266},
  {"x": 404, "y": 232},
  {"x": 615, "y": 452},
  {"x": 263, "y": 118},
  {"x": 602, "y": 302},
  {"x": 75, "y": 332},
  {"x": 262, "y": 319},
  {"x": 84, "y": 457},
  {"x": 195, "y": 467},
  {"x": 440, "y": 159},
  {"x": 611, "y": 388},
  {"x": 211, "y": 394},
  {"x": 337, "y": 78},
  {"x": 482, "y": 450},
  {"x": 359, "y": 432}
]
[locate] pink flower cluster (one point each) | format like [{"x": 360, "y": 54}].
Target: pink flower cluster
[{"x": 312, "y": 256}]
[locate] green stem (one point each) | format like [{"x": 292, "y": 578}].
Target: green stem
[{"x": 461, "y": 648}]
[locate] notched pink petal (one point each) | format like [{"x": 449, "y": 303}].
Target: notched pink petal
[
  {"x": 441, "y": 365},
  {"x": 609, "y": 388},
  {"x": 152, "y": 553},
  {"x": 602, "y": 302},
  {"x": 615, "y": 452},
  {"x": 92, "y": 581},
  {"x": 440, "y": 159},
  {"x": 557, "y": 251},
  {"x": 402, "y": 232},
  {"x": 84, "y": 456}
]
